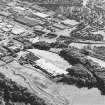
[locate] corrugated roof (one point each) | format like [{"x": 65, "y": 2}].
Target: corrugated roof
[
  {"x": 26, "y": 21},
  {"x": 38, "y": 8},
  {"x": 59, "y": 26}
]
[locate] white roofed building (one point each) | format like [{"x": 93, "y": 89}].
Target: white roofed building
[
  {"x": 18, "y": 30},
  {"x": 20, "y": 8},
  {"x": 70, "y": 22},
  {"x": 40, "y": 14},
  {"x": 50, "y": 68},
  {"x": 34, "y": 40}
]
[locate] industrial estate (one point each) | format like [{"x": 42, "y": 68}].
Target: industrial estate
[{"x": 45, "y": 49}]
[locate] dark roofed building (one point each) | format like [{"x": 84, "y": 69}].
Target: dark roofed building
[
  {"x": 26, "y": 21},
  {"x": 31, "y": 15},
  {"x": 63, "y": 38},
  {"x": 30, "y": 56},
  {"x": 51, "y": 13},
  {"x": 59, "y": 26},
  {"x": 51, "y": 35},
  {"x": 7, "y": 59},
  {"x": 39, "y": 32},
  {"x": 38, "y": 8}
]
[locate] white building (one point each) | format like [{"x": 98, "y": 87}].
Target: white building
[
  {"x": 19, "y": 8},
  {"x": 18, "y": 30},
  {"x": 70, "y": 22},
  {"x": 34, "y": 40},
  {"x": 49, "y": 67},
  {"x": 42, "y": 15}
]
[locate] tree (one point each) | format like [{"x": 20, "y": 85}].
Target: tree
[
  {"x": 59, "y": 44},
  {"x": 98, "y": 37},
  {"x": 73, "y": 56},
  {"x": 81, "y": 26},
  {"x": 42, "y": 45}
]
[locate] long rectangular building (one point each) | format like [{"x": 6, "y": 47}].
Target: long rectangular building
[
  {"x": 26, "y": 21},
  {"x": 50, "y": 68}
]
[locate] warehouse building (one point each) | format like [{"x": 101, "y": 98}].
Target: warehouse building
[
  {"x": 17, "y": 30},
  {"x": 38, "y": 8},
  {"x": 50, "y": 68},
  {"x": 41, "y": 15},
  {"x": 26, "y": 21},
  {"x": 70, "y": 22}
]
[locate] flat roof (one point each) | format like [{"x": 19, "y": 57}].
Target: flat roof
[
  {"x": 40, "y": 14},
  {"x": 34, "y": 40},
  {"x": 50, "y": 67},
  {"x": 17, "y": 30},
  {"x": 70, "y": 22},
  {"x": 19, "y": 8},
  {"x": 60, "y": 26},
  {"x": 26, "y": 21},
  {"x": 51, "y": 13},
  {"x": 39, "y": 8}
]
